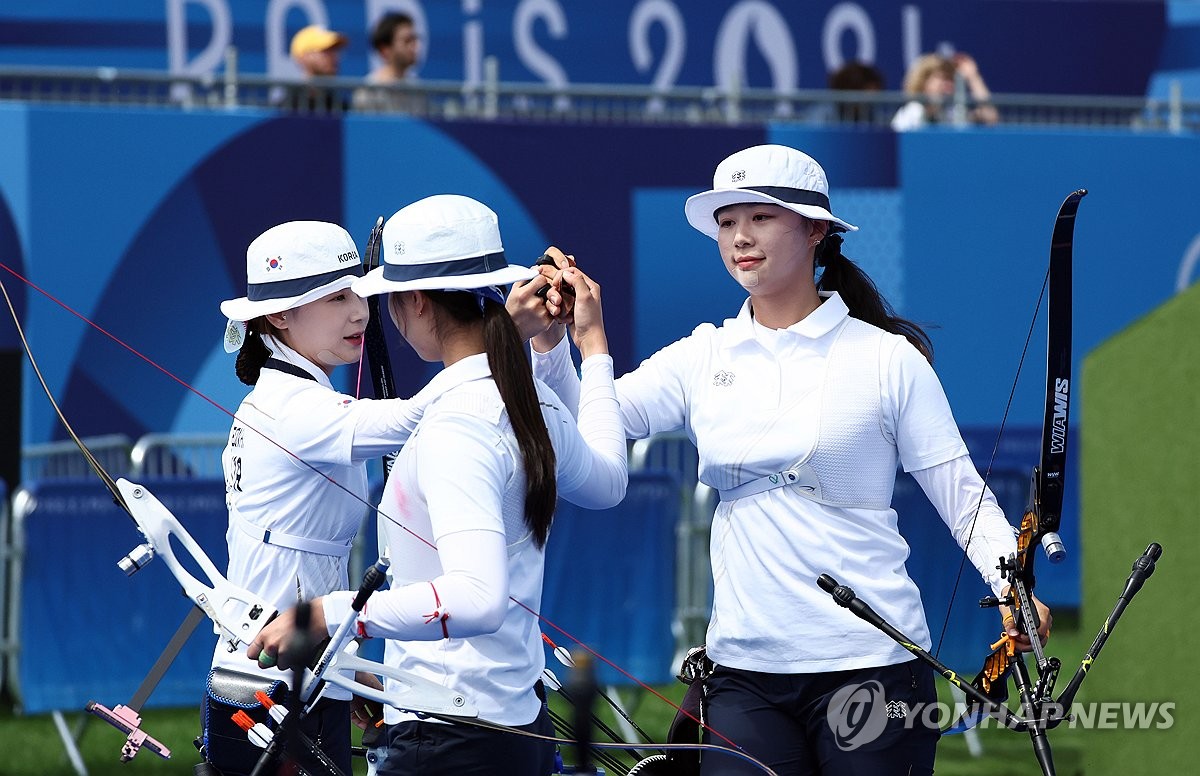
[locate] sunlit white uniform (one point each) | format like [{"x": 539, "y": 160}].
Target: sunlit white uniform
[
  {"x": 848, "y": 400},
  {"x": 294, "y": 467},
  {"x": 459, "y": 484}
]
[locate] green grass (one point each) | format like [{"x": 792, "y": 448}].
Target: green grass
[
  {"x": 1141, "y": 412},
  {"x": 30, "y": 746}
]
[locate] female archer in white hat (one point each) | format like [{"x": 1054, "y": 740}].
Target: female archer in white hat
[
  {"x": 295, "y": 463},
  {"x": 478, "y": 481},
  {"x": 814, "y": 378}
]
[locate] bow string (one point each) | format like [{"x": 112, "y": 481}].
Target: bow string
[{"x": 1043, "y": 512}]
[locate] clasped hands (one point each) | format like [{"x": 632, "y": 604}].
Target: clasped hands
[{"x": 561, "y": 297}]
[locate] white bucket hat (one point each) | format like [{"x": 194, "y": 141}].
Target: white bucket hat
[
  {"x": 444, "y": 242},
  {"x": 775, "y": 174},
  {"x": 293, "y": 264}
]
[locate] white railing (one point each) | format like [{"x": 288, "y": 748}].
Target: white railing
[
  {"x": 493, "y": 100},
  {"x": 63, "y": 460},
  {"x": 178, "y": 455}
]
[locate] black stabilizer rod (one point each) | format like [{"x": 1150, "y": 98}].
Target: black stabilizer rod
[
  {"x": 373, "y": 579},
  {"x": 1143, "y": 568},
  {"x": 845, "y": 596}
]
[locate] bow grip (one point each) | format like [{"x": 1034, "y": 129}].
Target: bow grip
[{"x": 565, "y": 288}]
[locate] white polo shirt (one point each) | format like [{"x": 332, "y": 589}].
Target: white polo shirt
[
  {"x": 291, "y": 421},
  {"x": 752, "y": 399},
  {"x": 460, "y": 475}
]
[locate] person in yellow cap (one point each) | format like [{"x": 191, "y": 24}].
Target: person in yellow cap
[
  {"x": 317, "y": 49},
  {"x": 317, "y": 52}
]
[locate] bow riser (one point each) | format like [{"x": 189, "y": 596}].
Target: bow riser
[{"x": 240, "y": 614}]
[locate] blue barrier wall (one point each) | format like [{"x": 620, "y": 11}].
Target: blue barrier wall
[
  {"x": 139, "y": 220},
  {"x": 88, "y": 632},
  {"x": 610, "y": 581}
]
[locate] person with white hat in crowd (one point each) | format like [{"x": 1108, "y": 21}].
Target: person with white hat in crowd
[
  {"x": 295, "y": 462},
  {"x": 800, "y": 407},
  {"x": 468, "y": 506}
]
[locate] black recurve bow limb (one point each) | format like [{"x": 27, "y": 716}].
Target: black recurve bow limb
[{"x": 374, "y": 342}]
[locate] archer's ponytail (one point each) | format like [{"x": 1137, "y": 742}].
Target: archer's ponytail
[
  {"x": 510, "y": 369},
  {"x": 861, "y": 296},
  {"x": 254, "y": 352}
]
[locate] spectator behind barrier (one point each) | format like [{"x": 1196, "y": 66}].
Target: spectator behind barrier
[
  {"x": 856, "y": 76},
  {"x": 931, "y": 82},
  {"x": 317, "y": 51},
  {"x": 851, "y": 77},
  {"x": 396, "y": 41}
]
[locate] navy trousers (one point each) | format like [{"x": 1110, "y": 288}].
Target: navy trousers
[
  {"x": 436, "y": 749},
  {"x": 865, "y": 722}
]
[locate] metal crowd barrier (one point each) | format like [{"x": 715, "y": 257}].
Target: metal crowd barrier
[
  {"x": 178, "y": 455},
  {"x": 63, "y": 460},
  {"x": 675, "y": 453},
  {"x": 491, "y": 99},
  {"x": 197, "y": 456}
]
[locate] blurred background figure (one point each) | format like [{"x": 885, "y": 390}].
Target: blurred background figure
[
  {"x": 317, "y": 52},
  {"x": 944, "y": 89},
  {"x": 855, "y": 77},
  {"x": 397, "y": 43}
]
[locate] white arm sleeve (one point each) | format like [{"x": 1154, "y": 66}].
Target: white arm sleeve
[
  {"x": 652, "y": 397},
  {"x": 384, "y": 426},
  {"x": 556, "y": 369},
  {"x": 954, "y": 488},
  {"x": 470, "y": 597},
  {"x": 593, "y": 468}
]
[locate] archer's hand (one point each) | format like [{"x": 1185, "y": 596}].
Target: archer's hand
[
  {"x": 269, "y": 647},
  {"x": 587, "y": 319},
  {"x": 559, "y": 297},
  {"x": 364, "y": 712},
  {"x": 1011, "y": 626},
  {"x": 539, "y": 307}
]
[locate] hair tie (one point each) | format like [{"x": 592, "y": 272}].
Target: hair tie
[{"x": 829, "y": 248}]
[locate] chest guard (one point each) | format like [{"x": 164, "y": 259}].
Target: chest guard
[{"x": 853, "y": 463}]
